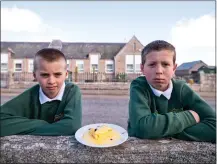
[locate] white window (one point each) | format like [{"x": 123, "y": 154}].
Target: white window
[
  {"x": 30, "y": 65},
  {"x": 94, "y": 59},
  {"x": 109, "y": 66},
  {"x": 133, "y": 63},
  {"x": 80, "y": 65},
  {"x": 18, "y": 65},
  {"x": 137, "y": 63},
  {"x": 129, "y": 64},
  {"x": 4, "y": 67},
  {"x": 4, "y": 62},
  {"x": 94, "y": 68},
  {"x": 67, "y": 62}
]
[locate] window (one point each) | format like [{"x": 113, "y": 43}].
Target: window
[
  {"x": 80, "y": 65},
  {"x": 18, "y": 65},
  {"x": 134, "y": 47},
  {"x": 138, "y": 70},
  {"x": 133, "y": 63},
  {"x": 129, "y": 64},
  {"x": 4, "y": 67},
  {"x": 4, "y": 62},
  {"x": 109, "y": 66},
  {"x": 94, "y": 67},
  {"x": 94, "y": 59},
  {"x": 67, "y": 62},
  {"x": 30, "y": 65},
  {"x": 130, "y": 68},
  {"x": 137, "y": 63}
]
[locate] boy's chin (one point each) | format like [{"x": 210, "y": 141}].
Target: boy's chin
[
  {"x": 160, "y": 87},
  {"x": 52, "y": 94}
]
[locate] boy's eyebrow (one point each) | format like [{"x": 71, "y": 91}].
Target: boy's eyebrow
[
  {"x": 152, "y": 61},
  {"x": 57, "y": 72},
  {"x": 165, "y": 62},
  {"x": 44, "y": 73}
]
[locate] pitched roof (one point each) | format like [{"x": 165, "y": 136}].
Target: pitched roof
[
  {"x": 188, "y": 65},
  {"x": 77, "y": 50}
]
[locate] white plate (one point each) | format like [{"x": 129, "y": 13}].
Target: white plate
[{"x": 79, "y": 134}]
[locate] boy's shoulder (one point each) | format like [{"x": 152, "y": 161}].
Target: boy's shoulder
[
  {"x": 71, "y": 87},
  {"x": 140, "y": 82},
  {"x": 32, "y": 90},
  {"x": 178, "y": 84}
]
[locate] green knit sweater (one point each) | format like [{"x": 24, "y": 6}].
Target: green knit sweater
[
  {"x": 25, "y": 115},
  {"x": 155, "y": 117}
]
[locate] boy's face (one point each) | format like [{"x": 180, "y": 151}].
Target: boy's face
[
  {"x": 51, "y": 76},
  {"x": 159, "y": 69}
]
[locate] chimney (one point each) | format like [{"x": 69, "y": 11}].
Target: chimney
[{"x": 57, "y": 44}]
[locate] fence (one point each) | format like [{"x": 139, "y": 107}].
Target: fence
[{"x": 72, "y": 76}]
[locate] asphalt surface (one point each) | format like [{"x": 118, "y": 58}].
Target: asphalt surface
[{"x": 104, "y": 109}]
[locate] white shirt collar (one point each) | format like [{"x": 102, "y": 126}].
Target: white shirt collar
[
  {"x": 43, "y": 98},
  {"x": 166, "y": 93}
]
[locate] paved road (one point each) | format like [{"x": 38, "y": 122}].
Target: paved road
[{"x": 104, "y": 109}]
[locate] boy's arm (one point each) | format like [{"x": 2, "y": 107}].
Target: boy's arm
[
  {"x": 71, "y": 120},
  {"x": 144, "y": 124},
  {"x": 205, "y": 130},
  {"x": 15, "y": 116}
]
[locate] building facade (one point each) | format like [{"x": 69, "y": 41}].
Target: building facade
[{"x": 105, "y": 58}]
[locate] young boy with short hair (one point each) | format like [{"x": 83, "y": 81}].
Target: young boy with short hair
[
  {"x": 161, "y": 106},
  {"x": 49, "y": 108}
]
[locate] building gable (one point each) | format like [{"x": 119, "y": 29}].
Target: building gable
[{"x": 133, "y": 47}]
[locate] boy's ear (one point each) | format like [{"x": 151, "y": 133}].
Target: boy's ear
[
  {"x": 174, "y": 67},
  {"x": 34, "y": 75},
  {"x": 141, "y": 67}
]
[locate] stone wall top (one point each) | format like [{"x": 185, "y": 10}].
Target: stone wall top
[{"x": 65, "y": 149}]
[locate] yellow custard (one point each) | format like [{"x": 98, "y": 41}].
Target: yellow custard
[{"x": 102, "y": 135}]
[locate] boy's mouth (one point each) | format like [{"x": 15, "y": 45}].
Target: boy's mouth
[
  {"x": 51, "y": 88},
  {"x": 159, "y": 80}
]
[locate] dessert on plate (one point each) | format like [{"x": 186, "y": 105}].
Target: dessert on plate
[{"x": 101, "y": 135}]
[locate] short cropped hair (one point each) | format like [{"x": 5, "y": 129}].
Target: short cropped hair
[
  {"x": 48, "y": 54},
  {"x": 157, "y": 45}
]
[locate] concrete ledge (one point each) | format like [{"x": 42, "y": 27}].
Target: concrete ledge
[
  {"x": 62, "y": 149},
  {"x": 119, "y": 92}
]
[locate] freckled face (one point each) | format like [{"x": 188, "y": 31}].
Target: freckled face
[{"x": 159, "y": 69}]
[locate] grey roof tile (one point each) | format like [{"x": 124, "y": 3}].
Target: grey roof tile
[{"x": 74, "y": 50}]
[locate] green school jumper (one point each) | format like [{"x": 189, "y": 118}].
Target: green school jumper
[
  {"x": 25, "y": 115},
  {"x": 155, "y": 117}
]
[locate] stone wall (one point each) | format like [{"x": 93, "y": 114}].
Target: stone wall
[
  {"x": 208, "y": 82},
  {"x": 65, "y": 149}
]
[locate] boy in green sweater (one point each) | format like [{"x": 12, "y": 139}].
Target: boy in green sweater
[
  {"x": 161, "y": 106},
  {"x": 49, "y": 108}
]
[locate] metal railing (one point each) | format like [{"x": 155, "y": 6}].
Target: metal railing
[{"x": 75, "y": 77}]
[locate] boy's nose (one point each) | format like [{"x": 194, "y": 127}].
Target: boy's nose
[
  {"x": 51, "y": 80},
  {"x": 159, "y": 70}
]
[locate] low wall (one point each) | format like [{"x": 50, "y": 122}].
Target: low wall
[
  {"x": 205, "y": 87},
  {"x": 208, "y": 82},
  {"x": 103, "y": 88},
  {"x": 65, "y": 149}
]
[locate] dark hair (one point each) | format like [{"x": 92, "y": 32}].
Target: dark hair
[
  {"x": 158, "y": 45},
  {"x": 48, "y": 54}
]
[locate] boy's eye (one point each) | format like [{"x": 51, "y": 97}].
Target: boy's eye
[
  {"x": 151, "y": 65},
  {"x": 44, "y": 75},
  {"x": 58, "y": 74},
  {"x": 165, "y": 64}
]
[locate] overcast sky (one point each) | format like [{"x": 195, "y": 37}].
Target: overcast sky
[{"x": 190, "y": 26}]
